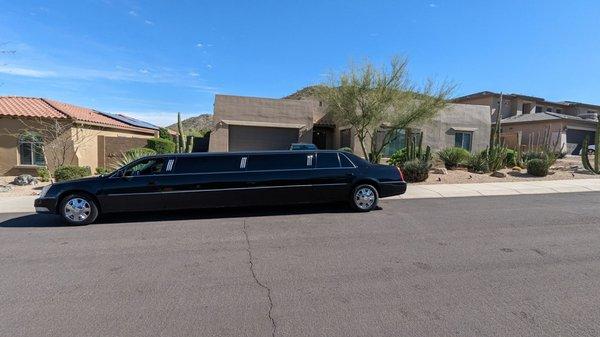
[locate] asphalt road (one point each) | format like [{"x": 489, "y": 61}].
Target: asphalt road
[{"x": 485, "y": 266}]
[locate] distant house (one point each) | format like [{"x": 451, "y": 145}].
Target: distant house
[
  {"x": 38, "y": 132},
  {"x": 525, "y": 119},
  {"x": 251, "y": 123}
]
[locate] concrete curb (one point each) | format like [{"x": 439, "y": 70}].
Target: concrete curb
[{"x": 24, "y": 204}]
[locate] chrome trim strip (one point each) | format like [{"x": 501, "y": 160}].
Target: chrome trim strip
[
  {"x": 227, "y": 189},
  {"x": 241, "y": 171}
]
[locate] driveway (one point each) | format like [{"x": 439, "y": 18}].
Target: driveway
[{"x": 495, "y": 266}]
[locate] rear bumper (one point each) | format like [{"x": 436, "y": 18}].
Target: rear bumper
[
  {"x": 392, "y": 188},
  {"x": 45, "y": 205}
]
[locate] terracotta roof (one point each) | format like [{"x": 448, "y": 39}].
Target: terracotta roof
[
  {"x": 85, "y": 114},
  {"x": 46, "y": 108},
  {"x": 27, "y": 107}
]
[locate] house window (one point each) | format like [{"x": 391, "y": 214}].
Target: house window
[
  {"x": 345, "y": 138},
  {"x": 548, "y": 109},
  {"x": 31, "y": 150},
  {"x": 559, "y": 111},
  {"x": 397, "y": 142},
  {"x": 538, "y": 109},
  {"x": 463, "y": 139}
]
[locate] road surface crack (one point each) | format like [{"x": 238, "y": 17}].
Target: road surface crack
[{"x": 260, "y": 284}]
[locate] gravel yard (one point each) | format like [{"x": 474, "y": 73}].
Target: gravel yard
[
  {"x": 564, "y": 169},
  {"x": 17, "y": 191}
]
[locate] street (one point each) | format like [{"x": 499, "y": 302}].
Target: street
[{"x": 476, "y": 266}]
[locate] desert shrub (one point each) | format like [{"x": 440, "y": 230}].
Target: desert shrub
[
  {"x": 140, "y": 152},
  {"x": 511, "y": 158},
  {"x": 43, "y": 173},
  {"x": 453, "y": 156},
  {"x": 345, "y": 149},
  {"x": 102, "y": 170},
  {"x": 161, "y": 145},
  {"x": 70, "y": 172},
  {"x": 398, "y": 158},
  {"x": 163, "y": 133},
  {"x": 416, "y": 170},
  {"x": 534, "y": 155},
  {"x": 478, "y": 162},
  {"x": 538, "y": 167}
]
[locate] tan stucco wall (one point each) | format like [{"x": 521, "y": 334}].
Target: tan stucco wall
[
  {"x": 10, "y": 128},
  {"x": 82, "y": 140},
  {"x": 86, "y": 142},
  {"x": 265, "y": 110}
]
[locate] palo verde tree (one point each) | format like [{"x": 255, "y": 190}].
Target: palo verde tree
[{"x": 377, "y": 102}]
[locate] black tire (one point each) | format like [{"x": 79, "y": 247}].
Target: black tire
[
  {"x": 78, "y": 206},
  {"x": 364, "y": 198}
]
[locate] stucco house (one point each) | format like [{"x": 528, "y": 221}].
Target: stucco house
[
  {"x": 252, "y": 123},
  {"x": 38, "y": 132},
  {"x": 525, "y": 118}
]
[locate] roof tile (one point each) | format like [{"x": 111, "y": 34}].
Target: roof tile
[
  {"x": 27, "y": 107},
  {"x": 46, "y": 108}
]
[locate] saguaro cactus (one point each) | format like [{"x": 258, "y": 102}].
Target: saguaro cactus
[
  {"x": 585, "y": 160},
  {"x": 181, "y": 139},
  {"x": 414, "y": 149}
]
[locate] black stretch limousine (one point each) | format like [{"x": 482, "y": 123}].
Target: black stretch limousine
[{"x": 186, "y": 181}]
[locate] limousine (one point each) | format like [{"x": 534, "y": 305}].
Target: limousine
[{"x": 202, "y": 180}]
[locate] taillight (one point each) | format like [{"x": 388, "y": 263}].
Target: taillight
[{"x": 400, "y": 173}]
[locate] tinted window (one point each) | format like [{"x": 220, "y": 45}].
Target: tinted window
[
  {"x": 278, "y": 162},
  {"x": 345, "y": 161},
  {"x": 326, "y": 160},
  {"x": 145, "y": 167},
  {"x": 208, "y": 164}
]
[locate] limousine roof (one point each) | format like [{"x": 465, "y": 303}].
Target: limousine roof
[{"x": 194, "y": 154}]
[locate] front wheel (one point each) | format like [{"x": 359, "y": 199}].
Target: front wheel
[
  {"x": 78, "y": 209},
  {"x": 364, "y": 198}
]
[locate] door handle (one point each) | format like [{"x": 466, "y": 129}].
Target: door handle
[{"x": 152, "y": 183}]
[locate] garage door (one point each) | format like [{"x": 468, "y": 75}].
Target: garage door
[
  {"x": 575, "y": 139},
  {"x": 248, "y": 138}
]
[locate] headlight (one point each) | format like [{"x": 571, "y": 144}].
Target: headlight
[{"x": 45, "y": 190}]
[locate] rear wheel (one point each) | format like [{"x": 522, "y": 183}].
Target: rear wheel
[
  {"x": 364, "y": 198},
  {"x": 78, "y": 209}
]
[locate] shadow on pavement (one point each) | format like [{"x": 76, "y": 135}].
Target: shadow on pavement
[
  {"x": 48, "y": 220},
  {"x": 33, "y": 220}
]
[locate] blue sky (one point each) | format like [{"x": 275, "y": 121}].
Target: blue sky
[{"x": 150, "y": 59}]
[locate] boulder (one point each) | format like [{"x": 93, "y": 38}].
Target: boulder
[
  {"x": 5, "y": 188},
  {"x": 516, "y": 169},
  {"x": 440, "y": 170},
  {"x": 25, "y": 179},
  {"x": 498, "y": 174}
]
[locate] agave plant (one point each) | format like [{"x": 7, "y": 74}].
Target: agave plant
[{"x": 132, "y": 155}]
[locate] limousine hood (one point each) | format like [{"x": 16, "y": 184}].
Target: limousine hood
[{"x": 80, "y": 180}]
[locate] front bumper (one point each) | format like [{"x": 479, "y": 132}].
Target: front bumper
[
  {"x": 392, "y": 188},
  {"x": 45, "y": 205}
]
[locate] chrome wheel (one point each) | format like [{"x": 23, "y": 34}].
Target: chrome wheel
[
  {"x": 364, "y": 198},
  {"x": 77, "y": 209}
]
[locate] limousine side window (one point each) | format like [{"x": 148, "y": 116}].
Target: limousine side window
[
  {"x": 207, "y": 164},
  {"x": 328, "y": 160},
  {"x": 261, "y": 162},
  {"x": 345, "y": 161},
  {"x": 145, "y": 167}
]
